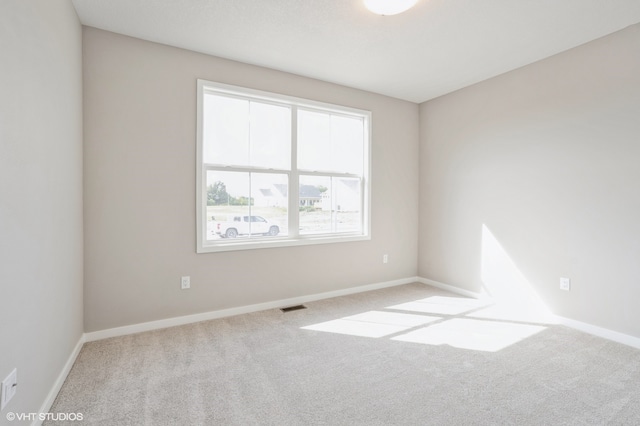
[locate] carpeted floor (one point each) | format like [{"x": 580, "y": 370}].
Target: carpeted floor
[{"x": 409, "y": 355}]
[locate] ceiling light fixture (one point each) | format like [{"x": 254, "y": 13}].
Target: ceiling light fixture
[{"x": 389, "y": 7}]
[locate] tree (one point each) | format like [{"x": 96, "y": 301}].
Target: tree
[
  {"x": 241, "y": 201},
  {"x": 217, "y": 194}
]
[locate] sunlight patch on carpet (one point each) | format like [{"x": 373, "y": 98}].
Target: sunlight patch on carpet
[
  {"x": 522, "y": 313},
  {"x": 372, "y": 324},
  {"x": 478, "y": 335},
  {"x": 441, "y": 305}
]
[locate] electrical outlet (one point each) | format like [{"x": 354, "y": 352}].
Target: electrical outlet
[
  {"x": 565, "y": 284},
  {"x": 9, "y": 388},
  {"x": 185, "y": 283},
  {"x": 385, "y": 258}
]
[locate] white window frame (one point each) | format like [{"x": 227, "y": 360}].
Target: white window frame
[{"x": 293, "y": 238}]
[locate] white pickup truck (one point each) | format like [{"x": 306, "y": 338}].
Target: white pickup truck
[{"x": 246, "y": 225}]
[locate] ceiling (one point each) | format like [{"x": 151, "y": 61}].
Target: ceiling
[{"x": 435, "y": 48}]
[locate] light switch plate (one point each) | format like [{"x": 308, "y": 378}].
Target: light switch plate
[{"x": 565, "y": 284}]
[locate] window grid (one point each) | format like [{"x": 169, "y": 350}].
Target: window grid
[{"x": 293, "y": 235}]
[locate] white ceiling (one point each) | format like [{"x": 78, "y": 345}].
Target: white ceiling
[{"x": 435, "y": 48}]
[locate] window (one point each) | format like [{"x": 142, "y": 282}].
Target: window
[{"x": 275, "y": 171}]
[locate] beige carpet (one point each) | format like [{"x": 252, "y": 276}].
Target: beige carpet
[{"x": 409, "y": 355}]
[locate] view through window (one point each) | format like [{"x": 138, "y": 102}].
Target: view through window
[{"x": 254, "y": 147}]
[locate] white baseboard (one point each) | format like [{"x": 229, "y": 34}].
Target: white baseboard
[
  {"x": 605, "y": 333},
  {"x": 53, "y": 393},
  {"x": 452, "y": 289},
  {"x": 205, "y": 316}
]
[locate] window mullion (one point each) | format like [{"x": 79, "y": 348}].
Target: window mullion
[
  {"x": 294, "y": 179},
  {"x": 332, "y": 174},
  {"x": 223, "y": 168},
  {"x": 334, "y": 205},
  {"x": 250, "y": 206}
]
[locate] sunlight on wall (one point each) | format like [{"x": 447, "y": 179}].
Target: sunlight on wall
[{"x": 514, "y": 297}]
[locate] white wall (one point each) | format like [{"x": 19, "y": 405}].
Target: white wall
[
  {"x": 40, "y": 195},
  {"x": 547, "y": 158},
  {"x": 140, "y": 157}
]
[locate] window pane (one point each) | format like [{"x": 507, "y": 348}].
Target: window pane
[
  {"x": 330, "y": 204},
  {"x": 270, "y": 145},
  {"x": 225, "y": 130},
  {"x": 328, "y": 142},
  {"x": 227, "y": 203},
  {"x": 314, "y": 141},
  {"x": 238, "y": 132},
  {"x": 269, "y": 212},
  {"x": 348, "y": 143},
  {"x": 315, "y": 207},
  {"x": 233, "y": 214},
  {"x": 347, "y": 204}
]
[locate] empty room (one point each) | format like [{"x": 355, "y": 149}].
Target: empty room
[{"x": 335, "y": 212}]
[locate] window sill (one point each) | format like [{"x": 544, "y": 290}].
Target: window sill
[{"x": 224, "y": 245}]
